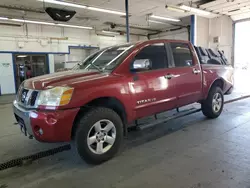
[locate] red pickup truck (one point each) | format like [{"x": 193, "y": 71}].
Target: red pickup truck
[{"x": 95, "y": 103}]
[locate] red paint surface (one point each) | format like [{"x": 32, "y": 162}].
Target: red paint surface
[{"x": 56, "y": 125}]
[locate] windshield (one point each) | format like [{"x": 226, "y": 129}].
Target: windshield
[{"x": 106, "y": 59}]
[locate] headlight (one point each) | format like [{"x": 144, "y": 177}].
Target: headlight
[{"x": 57, "y": 96}]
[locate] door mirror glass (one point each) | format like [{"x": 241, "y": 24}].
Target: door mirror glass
[{"x": 142, "y": 64}]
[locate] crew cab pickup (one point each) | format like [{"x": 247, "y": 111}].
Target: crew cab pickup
[{"x": 93, "y": 104}]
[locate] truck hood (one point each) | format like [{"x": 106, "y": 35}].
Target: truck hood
[{"x": 65, "y": 78}]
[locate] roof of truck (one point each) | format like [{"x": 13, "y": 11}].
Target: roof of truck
[{"x": 151, "y": 41}]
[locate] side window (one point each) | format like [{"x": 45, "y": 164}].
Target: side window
[
  {"x": 156, "y": 54},
  {"x": 181, "y": 54}
]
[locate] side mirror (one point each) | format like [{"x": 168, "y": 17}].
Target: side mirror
[{"x": 142, "y": 64}]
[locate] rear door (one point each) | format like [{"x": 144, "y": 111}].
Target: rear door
[
  {"x": 152, "y": 90},
  {"x": 186, "y": 73}
]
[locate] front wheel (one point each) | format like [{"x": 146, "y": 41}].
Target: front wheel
[
  {"x": 213, "y": 105},
  {"x": 99, "y": 135}
]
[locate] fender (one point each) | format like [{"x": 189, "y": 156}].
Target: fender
[
  {"x": 116, "y": 90},
  {"x": 219, "y": 81}
]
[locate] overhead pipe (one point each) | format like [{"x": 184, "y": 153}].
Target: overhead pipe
[
  {"x": 168, "y": 30},
  {"x": 114, "y": 25}
]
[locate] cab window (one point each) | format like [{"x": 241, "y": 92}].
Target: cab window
[
  {"x": 181, "y": 54},
  {"x": 156, "y": 54}
]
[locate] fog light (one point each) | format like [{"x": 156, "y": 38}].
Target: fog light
[
  {"x": 33, "y": 115},
  {"x": 40, "y": 131}
]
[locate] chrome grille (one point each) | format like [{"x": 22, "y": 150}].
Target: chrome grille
[
  {"x": 27, "y": 97},
  {"x": 24, "y": 95},
  {"x": 33, "y": 97}
]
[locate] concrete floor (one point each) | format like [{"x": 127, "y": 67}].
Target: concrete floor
[
  {"x": 196, "y": 153},
  {"x": 13, "y": 143},
  {"x": 7, "y": 99}
]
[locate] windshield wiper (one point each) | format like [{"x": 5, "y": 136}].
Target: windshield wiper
[
  {"x": 98, "y": 68},
  {"x": 77, "y": 66}
]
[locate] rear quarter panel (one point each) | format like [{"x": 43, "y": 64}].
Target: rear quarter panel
[{"x": 211, "y": 73}]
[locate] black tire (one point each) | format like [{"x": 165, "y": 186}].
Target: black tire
[
  {"x": 83, "y": 127},
  {"x": 207, "y": 105}
]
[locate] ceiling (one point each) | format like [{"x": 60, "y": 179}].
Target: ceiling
[
  {"x": 236, "y": 9},
  {"x": 138, "y": 9}
]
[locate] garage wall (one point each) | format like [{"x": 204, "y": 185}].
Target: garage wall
[
  {"x": 51, "y": 59},
  {"x": 178, "y": 35},
  {"x": 208, "y": 29},
  {"x": 222, "y": 27},
  {"x": 181, "y": 34},
  {"x": 202, "y": 31},
  {"x": 7, "y": 83},
  {"x": 45, "y": 39},
  {"x": 40, "y": 38}
]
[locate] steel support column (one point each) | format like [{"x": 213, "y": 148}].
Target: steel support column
[{"x": 127, "y": 20}]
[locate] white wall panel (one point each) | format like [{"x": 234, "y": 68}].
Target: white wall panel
[
  {"x": 202, "y": 31},
  {"x": 222, "y": 27},
  {"x": 6, "y": 74},
  {"x": 177, "y": 35},
  {"x": 55, "y": 39},
  {"x": 51, "y": 63},
  {"x": 47, "y": 39}
]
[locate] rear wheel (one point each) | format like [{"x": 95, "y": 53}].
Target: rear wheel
[
  {"x": 99, "y": 135},
  {"x": 213, "y": 105}
]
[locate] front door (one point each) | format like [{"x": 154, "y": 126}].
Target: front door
[
  {"x": 152, "y": 90},
  {"x": 187, "y": 74}
]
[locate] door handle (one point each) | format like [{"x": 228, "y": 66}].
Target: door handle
[
  {"x": 195, "y": 71},
  {"x": 169, "y": 76}
]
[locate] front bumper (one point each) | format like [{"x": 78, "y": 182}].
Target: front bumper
[{"x": 56, "y": 125}]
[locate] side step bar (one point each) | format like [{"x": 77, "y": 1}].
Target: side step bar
[{"x": 164, "y": 120}]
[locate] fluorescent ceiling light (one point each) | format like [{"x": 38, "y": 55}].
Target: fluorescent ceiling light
[
  {"x": 3, "y": 18},
  {"x": 45, "y": 23},
  {"x": 154, "y": 21},
  {"x": 110, "y": 32},
  {"x": 82, "y": 6},
  {"x": 34, "y": 22},
  {"x": 74, "y": 26},
  {"x": 195, "y": 10},
  {"x": 173, "y": 8},
  {"x": 63, "y": 3},
  {"x": 22, "y": 55},
  {"x": 165, "y": 18},
  {"x": 105, "y": 10}
]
